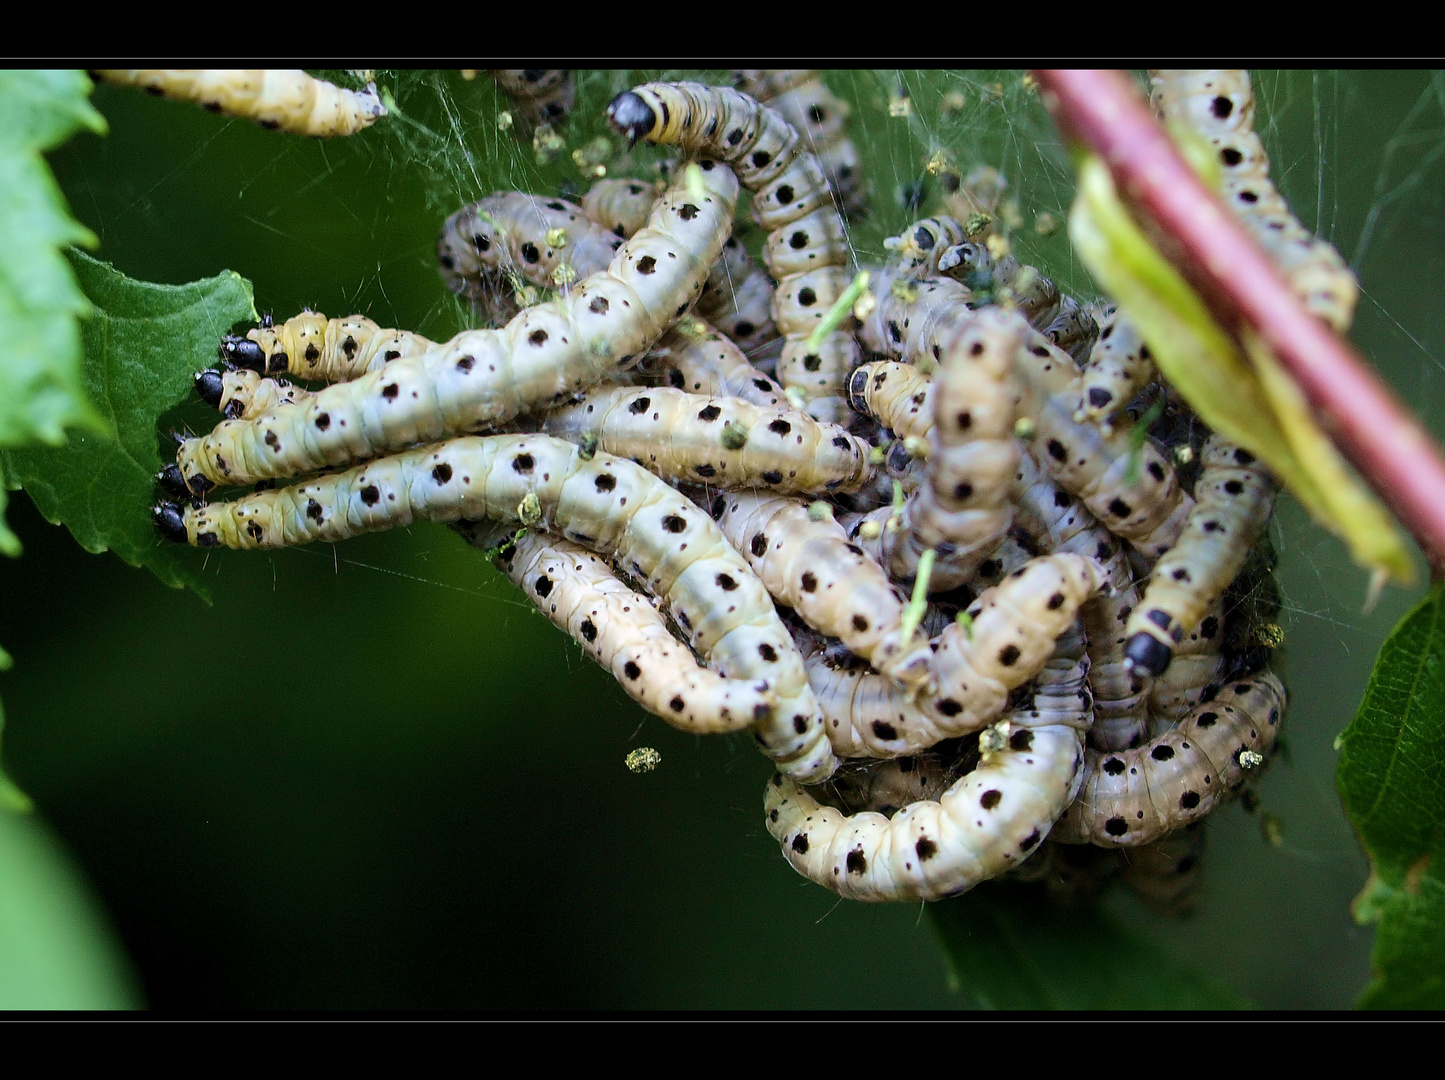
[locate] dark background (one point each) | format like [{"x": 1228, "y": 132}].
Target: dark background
[{"x": 370, "y": 776}]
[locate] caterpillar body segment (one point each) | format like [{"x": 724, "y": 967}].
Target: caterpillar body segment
[
  {"x": 696, "y": 357},
  {"x": 284, "y": 100},
  {"x": 1011, "y": 635},
  {"x": 724, "y": 441},
  {"x": 963, "y": 507},
  {"x": 548, "y": 242},
  {"x": 988, "y": 821},
  {"x": 788, "y": 185},
  {"x": 821, "y": 118},
  {"x": 1132, "y": 489},
  {"x": 1134, "y": 797},
  {"x": 919, "y": 249},
  {"x": 619, "y": 205},
  {"x": 1165, "y": 874},
  {"x": 1119, "y": 366},
  {"x": 1233, "y": 500},
  {"x": 897, "y": 395},
  {"x": 311, "y": 346},
  {"x": 540, "y": 95},
  {"x": 810, "y": 565},
  {"x": 620, "y": 629},
  {"x": 1057, "y": 521},
  {"x": 482, "y": 378},
  {"x": 603, "y": 502},
  {"x": 1219, "y": 106},
  {"x": 1072, "y": 329},
  {"x": 738, "y": 300}
]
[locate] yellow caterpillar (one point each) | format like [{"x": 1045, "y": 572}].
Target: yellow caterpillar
[{"x": 280, "y": 99}]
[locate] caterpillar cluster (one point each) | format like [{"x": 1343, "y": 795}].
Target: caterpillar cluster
[{"x": 917, "y": 582}]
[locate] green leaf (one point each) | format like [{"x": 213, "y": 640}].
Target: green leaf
[
  {"x": 56, "y": 951},
  {"x": 1392, "y": 759},
  {"x": 1009, "y": 947},
  {"x": 40, "y": 386},
  {"x": 143, "y": 346}
]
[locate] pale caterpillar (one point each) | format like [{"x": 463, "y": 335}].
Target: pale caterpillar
[
  {"x": 241, "y": 394},
  {"x": 897, "y": 395},
  {"x": 726, "y": 442},
  {"x": 540, "y": 95},
  {"x": 311, "y": 346},
  {"x": 887, "y": 786},
  {"x": 695, "y": 357},
  {"x": 963, "y": 507},
  {"x": 1219, "y": 105},
  {"x": 619, "y": 509},
  {"x": 990, "y": 819},
  {"x": 1010, "y": 634},
  {"x": 738, "y": 300},
  {"x": 808, "y": 563},
  {"x": 805, "y": 101},
  {"x": 788, "y": 185},
  {"x": 1129, "y": 486},
  {"x": 481, "y": 378},
  {"x": 546, "y": 241},
  {"x": 1233, "y": 500},
  {"x": 284, "y": 100},
  {"x": 919, "y": 247},
  {"x": 909, "y": 316},
  {"x": 1136, "y": 796},
  {"x": 1057, "y": 521},
  {"x": 1119, "y": 366},
  {"x": 1165, "y": 874},
  {"x": 620, "y": 629}
]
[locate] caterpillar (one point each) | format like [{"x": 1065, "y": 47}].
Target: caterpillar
[
  {"x": 481, "y": 378},
  {"x": 725, "y": 441},
  {"x": 963, "y": 508},
  {"x": 546, "y": 241},
  {"x": 989, "y": 820},
  {"x": 283, "y": 100},
  {"x": 885, "y": 787},
  {"x": 311, "y": 346},
  {"x": 898, "y": 396},
  {"x": 622, "y": 631},
  {"x": 1233, "y": 500},
  {"x": 696, "y": 357},
  {"x": 821, "y": 117},
  {"x": 1136, "y": 796},
  {"x": 1011, "y": 632},
  {"x": 1056, "y": 521},
  {"x": 910, "y": 317},
  {"x": 608, "y": 504},
  {"x": 919, "y": 248},
  {"x": 1118, "y": 367},
  {"x": 788, "y": 185},
  {"x": 808, "y": 563},
  {"x": 242, "y": 394},
  {"x": 1196, "y": 670},
  {"x": 738, "y": 300},
  {"x": 1219, "y": 105},
  {"x": 540, "y": 95},
  {"x": 619, "y": 205},
  {"x": 1131, "y": 488}
]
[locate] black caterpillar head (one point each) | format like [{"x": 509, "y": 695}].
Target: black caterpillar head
[
  {"x": 631, "y": 115},
  {"x": 243, "y": 352},
  {"x": 169, "y": 521}
]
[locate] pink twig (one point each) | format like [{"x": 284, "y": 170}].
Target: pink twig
[{"x": 1103, "y": 111}]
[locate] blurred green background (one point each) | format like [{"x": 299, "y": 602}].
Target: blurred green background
[{"x": 369, "y": 776}]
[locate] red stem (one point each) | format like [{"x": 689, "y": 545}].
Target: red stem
[{"x": 1103, "y": 111}]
